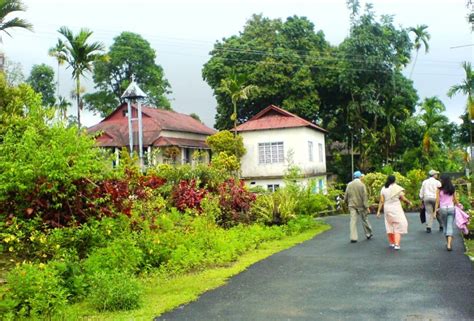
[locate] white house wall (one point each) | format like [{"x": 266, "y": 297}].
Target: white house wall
[
  {"x": 176, "y": 134},
  {"x": 320, "y": 183},
  {"x": 295, "y": 146}
]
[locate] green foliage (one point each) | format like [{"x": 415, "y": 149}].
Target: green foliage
[
  {"x": 130, "y": 54},
  {"x": 114, "y": 290},
  {"x": 225, "y": 141},
  {"x": 44, "y": 162},
  {"x": 225, "y": 162},
  {"x": 274, "y": 208},
  {"x": 276, "y": 65},
  {"x": 41, "y": 79},
  {"x": 79, "y": 54},
  {"x": 375, "y": 181},
  {"x": 33, "y": 291},
  {"x": 122, "y": 253}
]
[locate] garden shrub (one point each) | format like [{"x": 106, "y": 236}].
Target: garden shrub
[
  {"x": 34, "y": 290},
  {"x": 235, "y": 201},
  {"x": 274, "y": 208},
  {"x": 121, "y": 254},
  {"x": 187, "y": 196},
  {"x": 375, "y": 181},
  {"x": 114, "y": 290}
]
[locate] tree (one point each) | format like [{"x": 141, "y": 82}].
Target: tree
[
  {"x": 130, "y": 55},
  {"x": 6, "y": 8},
  {"x": 224, "y": 141},
  {"x": 286, "y": 60},
  {"x": 79, "y": 55},
  {"x": 62, "y": 106},
  {"x": 195, "y": 116},
  {"x": 56, "y": 52},
  {"x": 432, "y": 109},
  {"x": 374, "y": 98},
  {"x": 236, "y": 89},
  {"x": 466, "y": 88},
  {"x": 421, "y": 38},
  {"x": 41, "y": 79}
]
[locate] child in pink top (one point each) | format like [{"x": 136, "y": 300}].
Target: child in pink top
[{"x": 445, "y": 201}]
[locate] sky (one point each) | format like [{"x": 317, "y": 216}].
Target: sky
[{"x": 183, "y": 32}]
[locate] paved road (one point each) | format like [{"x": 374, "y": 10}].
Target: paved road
[{"x": 327, "y": 278}]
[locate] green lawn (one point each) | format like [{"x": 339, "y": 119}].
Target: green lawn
[{"x": 162, "y": 294}]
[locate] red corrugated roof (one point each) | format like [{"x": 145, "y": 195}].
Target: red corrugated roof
[
  {"x": 274, "y": 117},
  {"x": 115, "y": 126}
]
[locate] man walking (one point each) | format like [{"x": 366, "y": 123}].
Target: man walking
[
  {"x": 357, "y": 201},
  {"x": 428, "y": 197}
]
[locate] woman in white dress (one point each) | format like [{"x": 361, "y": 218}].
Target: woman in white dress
[{"x": 395, "y": 221}]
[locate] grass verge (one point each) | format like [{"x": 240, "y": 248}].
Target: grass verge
[{"x": 165, "y": 294}]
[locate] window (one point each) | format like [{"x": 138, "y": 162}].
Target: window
[
  {"x": 269, "y": 153},
  {"x": 321, "y": 155},
  {"x": 310, "y": 151},
  {"x": 321, "y": 185},
  {"x": 273, "y": 187}
]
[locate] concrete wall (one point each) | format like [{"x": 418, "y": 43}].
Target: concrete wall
[{"x": 296, "y": 150}]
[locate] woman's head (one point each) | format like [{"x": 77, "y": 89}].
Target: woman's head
[
  {"x": 390, "y": 181},
  {"x": 446, "y": 185}
]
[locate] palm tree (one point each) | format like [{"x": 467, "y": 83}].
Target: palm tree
[
  {"x": 421, "y": 38},
  {"x": 62, "y": 105},
  {"x": 55, "y": 52},
  {"x": 79, "y": 55},
  {"x": 466, "y": 88},
  {"x": 234, "y": 87},
  {"x": 7, "y": 7},
  {"x": 432, "y": 117}
]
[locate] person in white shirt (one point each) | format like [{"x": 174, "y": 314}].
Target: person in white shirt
[{"x": 428, "y": 197}]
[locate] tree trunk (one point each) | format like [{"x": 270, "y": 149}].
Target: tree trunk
[{"x": 78, "y": 100}]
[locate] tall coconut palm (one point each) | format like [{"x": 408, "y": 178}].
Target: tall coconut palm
[
  {"x": 79, "y": 56},
  {"x": 466, "y": 88},
  {"x": 7, "y": 7},
  {"x": 234, "y": 87},
  {"x": 421, "y": 38}
]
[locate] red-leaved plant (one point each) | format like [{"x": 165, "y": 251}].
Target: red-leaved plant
[
  {"x": 186, "y": 195},
  {"x": 235, "y": 201}
]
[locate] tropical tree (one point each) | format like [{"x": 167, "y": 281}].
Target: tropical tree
[
  {"x": 432, "y": 118},
  {"x": 466, "y": 88},
  {"x": 62, "y": 106},
  {"x": 421, "y": 38},
  {"x": 79, "y": 55},
  {"x": 41, "y": 79},
  {"x": 56, "y": 53},
  {"x": 6, "y": 8},
  {"x": 130, "y": 55},
  {"x": 287, "y": 60},
  {"x": 235, "y": 87}
]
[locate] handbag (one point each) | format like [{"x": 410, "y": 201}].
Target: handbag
[{"x": 422, "y": 213}]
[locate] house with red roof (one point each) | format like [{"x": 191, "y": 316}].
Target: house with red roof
[
  {"x": 174, "y": 135},
  {"x": 275, "y": 139}
]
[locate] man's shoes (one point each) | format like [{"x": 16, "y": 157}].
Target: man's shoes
[
  {"x": 441, "y": 229},
  {"x": 392, "y": 246},
  {"x": 428, "y": 230},
  {"x": 369, "y": 237},
  {"x": 396, "y": 247},
  {"x": 353, "y": 241}
]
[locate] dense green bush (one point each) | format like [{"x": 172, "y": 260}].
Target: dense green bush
[
  {"x": 114, "y": 290},
  {"x": 33, "y": 290},
  {"x": 122, "y": 253}
]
